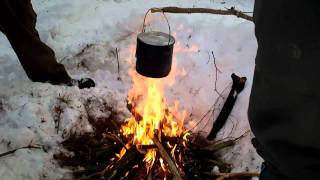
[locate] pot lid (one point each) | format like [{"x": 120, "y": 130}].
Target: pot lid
[{"x": 156, "y": 38}]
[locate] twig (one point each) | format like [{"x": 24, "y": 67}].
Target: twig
[
  {"x": 234, "y": 175},
  {"x": 115, "y": 138},
  {"x": 129, "y": 159},
  {"x": 230, "y": 11},
  {"x": 117, "y": 56},
  {"x": 216, "y": 71},
  {"x": 166, "y": 157},
  {"x": 218, "y": 146},
  {"x": 25, "y": 147},
  {"x": 83, "y": 50},
  {"x": 243, "y": 135},
  {"x": 202, "y": 118},
  {"x": 211, "y": 109},
  {"x": 219, "y": 163},
  {"x": 209, "y": 57},
  {"x": 58, "y": 125},
  {"x": 214, "y": 61}
]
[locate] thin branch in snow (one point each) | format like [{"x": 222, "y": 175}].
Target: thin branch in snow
[
  {"x": 209, "y": 57},
  {"x": 14, "y": 150},
  {"x": 216, "y": 72},
  {"x": 117, "y": 56},
  {"x": 223, "y": 176},
  {"x": 211, "y": 111},
  {"x": 202, "y": 118}
]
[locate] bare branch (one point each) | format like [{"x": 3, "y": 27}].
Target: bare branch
[
  {"x": 230, "y": 11},
  {"x": 216, "y": 73},
  {"x": 223, "y": 176},
  {"x": 25, "y": 147},
  {"x": 117, "y": 56}
]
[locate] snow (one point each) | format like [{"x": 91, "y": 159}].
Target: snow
[{"x": 27, "y": 109}]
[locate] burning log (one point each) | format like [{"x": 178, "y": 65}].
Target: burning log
[
  {"x": 164, "y": 154},
  {"x": 130, "y": 159},
  {"x": 237, "y": 87},
  {"x": 146, "y": 147}
]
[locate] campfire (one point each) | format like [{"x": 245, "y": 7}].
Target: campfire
[
  {"x": 155, "y": 129},
  {"x": 153, "y": 142}
]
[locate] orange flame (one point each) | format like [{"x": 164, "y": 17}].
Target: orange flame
[{"x": 151, "y": 112}]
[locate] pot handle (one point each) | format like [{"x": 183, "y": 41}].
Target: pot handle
[{"x": 144, "y": 23}]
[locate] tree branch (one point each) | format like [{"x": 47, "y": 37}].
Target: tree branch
[
  {"x": 223, "y": 176},
  {"x": 25, "y": 147},
  {"x": 231, "y": 11}
]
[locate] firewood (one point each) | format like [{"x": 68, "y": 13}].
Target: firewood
[
  {"x": 150, "y": 173},
  {"x": 219, "y": 163},
  {"x": 89, "y": 170},
  {"x": 115, "y": 138},
  {"x": 237, "y": 87},
  {"x": 90, "y": 177},
  {"x": 221, "y": 145},
  {"x": 146, "y": 147},
  {"x": 231, "y": 11},
  {"x": 223, "y": 176},
  {"x": 129, "y": 159},
  {"x": 104, "y": 152},
  {"x": 166, "y": 157}
]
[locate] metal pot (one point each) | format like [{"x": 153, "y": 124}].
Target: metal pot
[{"x": 154, "y": 54}]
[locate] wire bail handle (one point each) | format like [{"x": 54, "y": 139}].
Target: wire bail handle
[{"x": 144, "y": 25}]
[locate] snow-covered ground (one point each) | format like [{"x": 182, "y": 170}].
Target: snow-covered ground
[{"x": 27, "y": 109}]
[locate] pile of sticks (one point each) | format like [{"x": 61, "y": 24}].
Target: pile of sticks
[{"x": 93, "y": 156}]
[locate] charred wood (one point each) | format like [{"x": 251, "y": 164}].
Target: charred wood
[{"x": 237, "y": 87}]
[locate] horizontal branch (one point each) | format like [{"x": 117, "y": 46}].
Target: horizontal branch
[
  {"x": 231, "y": 11},
  {"x": 223, "y": 176},
  {"x": 25, "y": 147}
]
